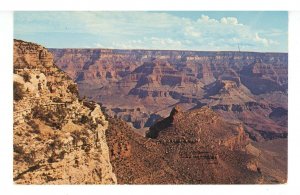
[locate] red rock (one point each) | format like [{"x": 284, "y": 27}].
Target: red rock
[{"x": 242, "y": 86}]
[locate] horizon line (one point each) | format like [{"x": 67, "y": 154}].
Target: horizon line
[{"x": 185, "y": 50}]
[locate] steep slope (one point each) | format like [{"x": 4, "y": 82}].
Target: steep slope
[
  {"x": 207, "y": 150},
  {"x": 262, "y": 118},
  {"x": 141, "y": 86},
  {"x": 58, "y": 139},
  {"x": 137, "y": 160}
]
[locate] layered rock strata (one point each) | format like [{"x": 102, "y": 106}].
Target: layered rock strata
[
  {"x": 141, "y": 86},
  {"x": 58, "y": 138}
]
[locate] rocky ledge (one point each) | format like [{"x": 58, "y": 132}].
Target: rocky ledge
[{"x": 58, "y": 138}]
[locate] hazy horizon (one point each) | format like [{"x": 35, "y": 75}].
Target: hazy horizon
[{"x": 191, "y": 31}]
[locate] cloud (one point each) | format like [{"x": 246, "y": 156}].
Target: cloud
[
  {"x": 206, "y": 20},
  {"x": 147, "y": 43},
  {"x": 190, "y": 31},
  {"x": 261, "y": 40},
  {"x": 264, "y": 41},
  {"x": 230, "y": 21},
  {"x": 165, "y": 42},
  {"x": 128, "y": 30}
]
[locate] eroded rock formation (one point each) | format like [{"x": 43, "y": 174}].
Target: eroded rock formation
[
  {"x": 58, "y": 139},
  {"x": 136, "y": 85},
  {"x": 186, "y": 98},
  {"x": 193, "y": 147}
]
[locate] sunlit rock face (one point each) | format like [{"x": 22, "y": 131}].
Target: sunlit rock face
[
  {"x": 142, "y": 86},
  {"x": 58, "y": 138}
]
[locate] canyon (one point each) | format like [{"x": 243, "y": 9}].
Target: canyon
[
  {"x": 142, "y": 86},
  {"x": 148, "y": 117},
  {"x": 194, "y": 147}
]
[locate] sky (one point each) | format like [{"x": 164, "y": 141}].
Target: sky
[{"x": 171, "y": 30}]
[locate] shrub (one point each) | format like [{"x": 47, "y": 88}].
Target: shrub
[
  {"x": 76, "y": 136},
  {"x": 39, "y": 86},
  {"x": 26, "y": 77},
  {"x": 35, "y": 127},
  {"x": 62, "y": 155},
  {"x": 53, "y": 118},
  {"x": 61, "y": 112},
  {"x": 38, "y": 112},
  {"x": 91, "y": 105},
  {"x": 73, "y": 89},
  {"x": 93, "y": 126},
  {"x": 18, "y": 91},
  {"x": 84, "y": 119},
  {"x": 57, "y": 100},
  {"x": 29, "y": 157},
  {"x": 18, "y": 149}
]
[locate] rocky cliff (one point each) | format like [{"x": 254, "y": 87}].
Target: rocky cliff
[
  {"x": 58, "y": 138},
  {"x": 141, "y": 86},
  {"x": 62, "y": 139},
  {"x": 193, "y": 147},
  {"x": 204, "y": 126}
]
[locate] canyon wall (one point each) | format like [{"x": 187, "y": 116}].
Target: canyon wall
[
  {"x": 58, "y": 138},
  {"x": 142, "y": 86},
  {"x": 196, "y": 117}
]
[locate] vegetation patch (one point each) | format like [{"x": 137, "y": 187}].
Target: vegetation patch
[
  {"x": 19, "y": 91},
  {"x": 73, "y": 89},
  {"x": 54, "y": 118}
]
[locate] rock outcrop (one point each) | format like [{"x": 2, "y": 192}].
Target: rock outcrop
[
  {"x": 204, "y": 126},
  {"x": 243, "y": 86},
  {"x": 194, "y": 147},
  {"x": 58, "y": 138}
]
